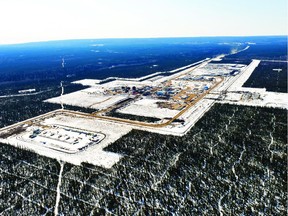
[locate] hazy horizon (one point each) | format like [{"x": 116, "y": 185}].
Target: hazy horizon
[
  {"x": 35, "y": 21},
  {"x": 132, "y": 38}
]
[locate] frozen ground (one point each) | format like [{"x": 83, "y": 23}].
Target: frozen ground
[
  {"x": 190, "y": 117},
  {"x": 236, "y": 94},
  {"x": 267, "y": 99},
  {"x": 87, "y": 82},
  {"x": 95, "y": 155},
  {"x": 90, "y": 98},
  {"x": 185, "y": 71},
  {"x": 218, "y": 69},
  {"x": 237, "y": 84},
  {"x": 119, "y": 83},
  {"x": 148, "y": 107}
]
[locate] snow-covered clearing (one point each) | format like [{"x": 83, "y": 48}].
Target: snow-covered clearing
[
  {"x": 218, "y": 69},
  {"x": 58, "y": 189},
  {"x": 245, "y": 74},
  {"x": 90, "y": 98},
  {"x": 148, "y": 107},
  {"x": 268, "y": 99},
  {"x": 93, "y": 154},
  {"x": 87, "y": 82}
]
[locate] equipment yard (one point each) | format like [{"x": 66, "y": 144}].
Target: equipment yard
[{"x": 66, "y": 137}]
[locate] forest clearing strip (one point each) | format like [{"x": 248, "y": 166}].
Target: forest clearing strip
[{"x": 58, "y": 188}]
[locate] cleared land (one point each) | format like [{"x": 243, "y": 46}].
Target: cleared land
[
  {"x": 86, "y": 132},
  {"x": 148, "y": 107},
  {"x": 178, "y": 101},
  {"x": 89, "y": 98}
]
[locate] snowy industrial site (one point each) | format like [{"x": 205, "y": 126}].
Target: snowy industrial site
[
  {"x": 144, "y": 127},
  {"x": 170, "y": 104}
]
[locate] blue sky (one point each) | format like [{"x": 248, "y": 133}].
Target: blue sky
[{"x": 42, "y": 20}]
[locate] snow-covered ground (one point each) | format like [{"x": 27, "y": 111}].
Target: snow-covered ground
[
  {"x": 61, "y": 138},
  {"x": 267, "y": 99},
  {"x": 236, "y": 94},
  {"x": 120, "y": 83},
  {"x": 87, "y": 82},
  {"x": 155, "y": 78},
  {"x": 190, "y": 117},
  {"x": 148, "y": 107},
  {"x": 233, "y": 96},
  {"x": 244, "y": 75},
  {"x": 218, "y": 69},
  {"x": 90, "y": 98},
  {"x": 174, "y": 76},
  {"x": 94, "y": 155}
]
